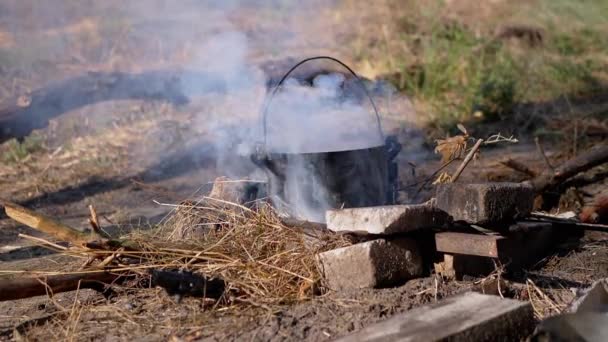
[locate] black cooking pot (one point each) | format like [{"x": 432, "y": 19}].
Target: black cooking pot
[{"x": 313, "y": 178}]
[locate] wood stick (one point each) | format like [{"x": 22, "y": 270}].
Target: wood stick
[
  {"x": 44, "y": 242},
  {"x": 541, "y": 152},
  {"x": 63, "y": 232},
  {"x": 45, "y": 224},
  {"x": 18, "y": 288},
  {"x": 548, "y": 179},
  {"x": 94, "y": 221},
  {"x": 314, "y": 229},
  {"x": 319, "y": 230},
  {"x": 543, "y": 217},
  {"x": 518, "y": 166},
  {"x": 467, "y": 160}
]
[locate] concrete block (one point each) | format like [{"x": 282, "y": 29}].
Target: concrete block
[
  {"x": 236, "y": 191},
  {"x": 372, "y": 264},
  {"x": 468, "y": 317},
  {"x": 485, "y": 202},
  {"x": 389, "y": 219}
]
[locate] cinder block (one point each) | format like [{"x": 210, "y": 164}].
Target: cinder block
[
  {"x": 486, "y": 202},
  {"x": 372, "y": 264},
  {"x": 389, "y": 219}
]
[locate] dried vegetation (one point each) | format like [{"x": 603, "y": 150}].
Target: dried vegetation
[{"x": 262, "y": 261}]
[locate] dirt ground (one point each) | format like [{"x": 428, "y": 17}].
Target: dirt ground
[
  {"x": 122, "y": 156},
  {"x": 150, "y": 314}
]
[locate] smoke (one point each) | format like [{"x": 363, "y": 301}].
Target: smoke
[
  {"x": 225, "y": 41},
  {"x": 308, "y": 121},
  {"x": 321, "y": 117}
]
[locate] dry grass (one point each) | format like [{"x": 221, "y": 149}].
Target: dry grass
[{"x": 263, "y": 262}]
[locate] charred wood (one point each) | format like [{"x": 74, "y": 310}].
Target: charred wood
[{"x": 185, "y": 283}]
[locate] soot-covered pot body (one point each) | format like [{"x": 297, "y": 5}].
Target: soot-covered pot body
[{"x": 309, "y": 183}]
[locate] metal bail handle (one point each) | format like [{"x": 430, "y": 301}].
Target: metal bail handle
[{"x": 276, "y": 88}]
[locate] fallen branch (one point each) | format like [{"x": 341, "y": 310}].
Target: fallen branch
[
  {"x": 45, "y": 224},
  {"x": 63, "y": 232},
  {"x": 556, "y": 220},
  {"x": 19, "y": 288},
  {"x": 583, "y": 162}
]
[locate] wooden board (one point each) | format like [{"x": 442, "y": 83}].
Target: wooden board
[
  {"x": 468, "y": 317},
  {"x": 470, "y": 244}
]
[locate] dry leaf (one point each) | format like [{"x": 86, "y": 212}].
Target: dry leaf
[{"x": 451, "y": 147}]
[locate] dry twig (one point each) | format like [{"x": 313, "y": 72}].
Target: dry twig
[
  {"x": 518, "y": 166},
  {"x": 467, "y": 160},
  {"x": 542, "y": 154},
  {"x": 94, "y": 222},
  {"x": 45, "y": 224}
]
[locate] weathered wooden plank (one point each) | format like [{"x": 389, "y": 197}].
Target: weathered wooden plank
[
  {"x": 475, "y": 254},
  {"x": 468, "y": 317}
]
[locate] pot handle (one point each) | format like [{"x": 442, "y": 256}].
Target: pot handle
[{"x": 276, "y": 88}]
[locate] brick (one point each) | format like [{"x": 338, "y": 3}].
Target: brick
[
  {"x": 486, "y": 202},
  {"x": 372, "y": 264},
  {"x": 389, "y": 219},
  {"x": 470, "y": 316}
]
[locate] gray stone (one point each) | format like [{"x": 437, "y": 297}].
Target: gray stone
[
  {"x": 388, "y": 219},
  {"x": 593, "y": 299},
  {"x": 372, "y": 264},
  {"x": 470, "y": 316},
  {"x": 235, "y": 191},
  {"x": 486, "y": 202}
]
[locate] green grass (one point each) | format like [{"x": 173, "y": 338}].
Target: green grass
[
  {"x": 15, "y": 151},
  {"x": 459, "y": 74},
  {"x": 464, "y": 76}
]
